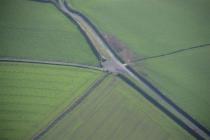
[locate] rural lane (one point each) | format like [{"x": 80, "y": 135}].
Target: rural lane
[{"x": 7, "y": 59}]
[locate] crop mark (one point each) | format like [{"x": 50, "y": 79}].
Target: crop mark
[{"x": 171, "y": 53}]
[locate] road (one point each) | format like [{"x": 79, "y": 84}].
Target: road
[
  {"x": 49, "y": 62},
  {"x": 114, "y": 65}
]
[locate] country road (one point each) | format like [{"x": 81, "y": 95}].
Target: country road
[
  {"x": 3, "y": 59},
  {"x": 114, "y": 65}
]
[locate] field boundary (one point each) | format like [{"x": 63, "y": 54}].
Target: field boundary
[
  {"x": 160, "y": 107},
  {"x": 71, "y": 107},
  {"x": 49, "y": 63},
  {"x": 170, "y": 53}
]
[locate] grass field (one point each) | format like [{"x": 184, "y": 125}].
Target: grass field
[
  {"x": 33, "y": 95},
  {"x": 185, "y": 78},
  {"x": 39, "y": 31},
  {"x": 150, "y": 27},
  {"x": 156, "y": 27},
  {"x": 115, "y": 111}
]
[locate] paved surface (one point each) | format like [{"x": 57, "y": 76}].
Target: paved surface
[{"x": 49, "y": 62}]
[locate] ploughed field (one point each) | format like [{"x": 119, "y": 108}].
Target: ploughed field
[
  {"x": 139, "y": 29},
  {"x": 115, "y": 111},
  {"x": 32, "y": 96},
  {"x": 38, "y": 31}
]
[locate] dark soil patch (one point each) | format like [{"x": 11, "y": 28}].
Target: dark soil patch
[{"x": 120, "y": 48}]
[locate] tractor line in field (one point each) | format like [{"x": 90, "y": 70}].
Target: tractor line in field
[{"x": 71, "y": 107}]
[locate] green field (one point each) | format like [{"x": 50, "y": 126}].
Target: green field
[
  {"x": 185, "y": 78},
  {"x": 115, "y": 111},
  {"x": 32, "y": 30},
  {"x": 33, "y": 95},
  {"x": 150, "y": 27},
  {"x": 157, "y": 27}
]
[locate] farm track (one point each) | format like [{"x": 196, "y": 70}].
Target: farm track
[
  {"x": 94, "y": 36},
  {"x": 49, "y": 63},
  {"x": 71, "y": 107},
  {"x": 171, "y": 53}
]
